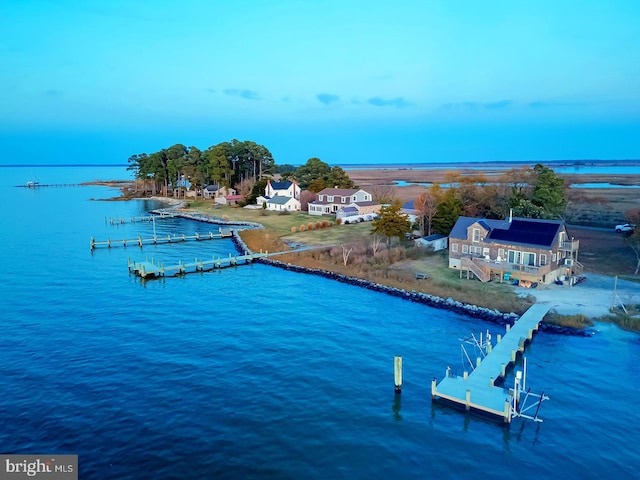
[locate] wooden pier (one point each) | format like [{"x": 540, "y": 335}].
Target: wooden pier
[
  {"x": 159, "y": 239},
  {"x": 476, "y": 390},
  {"x": 43, "y": 185},
  {"x": 140, "y": 219},
  {"x": 151, "y": 269}
]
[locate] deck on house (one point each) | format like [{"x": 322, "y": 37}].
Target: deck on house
[{"x": 476, "y": 391}]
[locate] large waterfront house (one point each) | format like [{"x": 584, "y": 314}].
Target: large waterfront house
[
  {"x": 280, "y": 196},
  {"x": 523, "y": 249},
  {"x": 345, "y": 203}
]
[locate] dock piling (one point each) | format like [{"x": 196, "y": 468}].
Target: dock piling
[{"x": 397, "y": 374}]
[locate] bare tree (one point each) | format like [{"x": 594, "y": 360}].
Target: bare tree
[
  {"x": 245, "y": 186},
  {"x": 345, "y": 254},
  {"x": 306, "y": 196},
  {"x": 382, "y": 193},
  {"x": 376, "y": 241},
  {"x": 426, "y": 206}
]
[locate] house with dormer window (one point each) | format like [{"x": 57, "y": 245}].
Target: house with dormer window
[
  {"x": 523, "y": 249},
  {"x": 276, "y": 190},
  {"x": 343, "y": 202}
]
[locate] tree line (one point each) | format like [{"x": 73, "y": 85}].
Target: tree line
[
  {"x": 225, "y": 164},
  {"x": 243, "y": 165},
  {"x": 524, "y": 192}
]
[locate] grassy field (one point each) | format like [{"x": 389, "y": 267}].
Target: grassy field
[
  {"x": 395, "y": 267},
  {"x": 600, "y": 252}
]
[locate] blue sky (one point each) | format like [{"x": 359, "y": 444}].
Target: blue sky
[{"x": 347, "y": 81}]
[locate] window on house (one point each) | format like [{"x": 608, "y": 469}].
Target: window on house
[
  {"x": 485, "y": 252},
  {"x": 454, "y": 247},
  {"x": 529, "y": 258},
  {"x": 330, "y": 198},
  {"x": 473, "y": 250},
  {"x": 501, "y": 253},
  {"x": 476, "y": 235},
  {"x": 553, "y": 257},
  {"x": 465, "y": 248},
  {"x": 367, "y": 198},
  {"x": 513, "y": 256},
  {"x": 543, "y": 259}
]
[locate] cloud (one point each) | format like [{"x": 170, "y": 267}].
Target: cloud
[
  {"x": 474, "y": 106},
  {"x": 246, "y": 94},
  {"x": 556, "y": 104},
  {"x": 399, "y": 102},
  {"x": 497, "y": 105},
  {"x": 327, "y": 98}
]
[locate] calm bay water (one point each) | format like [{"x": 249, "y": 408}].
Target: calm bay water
[{"x": 255, "y": 372}]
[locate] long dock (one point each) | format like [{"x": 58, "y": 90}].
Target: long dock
[
  {"x": 139, "y": 219},
  {"x": 43, "y": 185},
  {"x": 476, "y": 390},
  {"x": 151, "y": 269},
  {"x": 159, "y": 239}
]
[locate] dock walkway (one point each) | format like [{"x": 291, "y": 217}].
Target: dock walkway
[
  {"x": 151, "y": 269},
  {"x": 476, "y": 390},
  {"x": 139, "y": 219},
  {"x": 159, "y": 239}
]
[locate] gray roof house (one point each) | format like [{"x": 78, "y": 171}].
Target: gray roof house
[{"x": 523, "y": 249}]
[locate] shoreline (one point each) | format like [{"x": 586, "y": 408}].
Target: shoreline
[{"x": 450, "y": 304}]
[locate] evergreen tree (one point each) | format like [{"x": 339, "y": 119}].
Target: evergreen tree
[
  {"x": 447, "y": 212},
  {"x": 391, "y": 222},
  {"x": 549, "y": 192}
]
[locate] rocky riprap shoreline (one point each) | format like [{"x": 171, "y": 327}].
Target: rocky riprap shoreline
[{"x": 493, "y": 316}]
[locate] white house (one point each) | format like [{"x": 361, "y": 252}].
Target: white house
[
  {"x": 279, "y": 189},
  {"x": 282, "y": 189},
  {"x": 331, "y": 200},
  {"x": 282, "y": 203}
]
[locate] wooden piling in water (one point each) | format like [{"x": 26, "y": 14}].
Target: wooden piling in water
[{"x": 397, "y": 373}]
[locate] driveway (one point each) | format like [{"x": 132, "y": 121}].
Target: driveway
[{"x": 592, "y": 298}]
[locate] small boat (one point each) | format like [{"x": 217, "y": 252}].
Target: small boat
[{"x": 32, "y": 184}]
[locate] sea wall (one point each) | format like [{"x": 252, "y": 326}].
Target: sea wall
[
  {"x": 493, "y": 316},
  {"x": 450, "y": 304}
]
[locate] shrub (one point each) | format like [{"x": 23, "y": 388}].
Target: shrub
[
  {"x": 338, "y": 221},
  {"x": 310, "y": 226},
  {"x": 325, "y": 224},
  {"x": 318, "y": 225},
  {"x": 302, "y": 228},
  {"x": 294, "y": 229}
]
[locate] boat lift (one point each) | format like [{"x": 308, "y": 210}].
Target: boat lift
[
  {"x": 519, "y": 405},
  {"x": 522, "y": 400}
]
